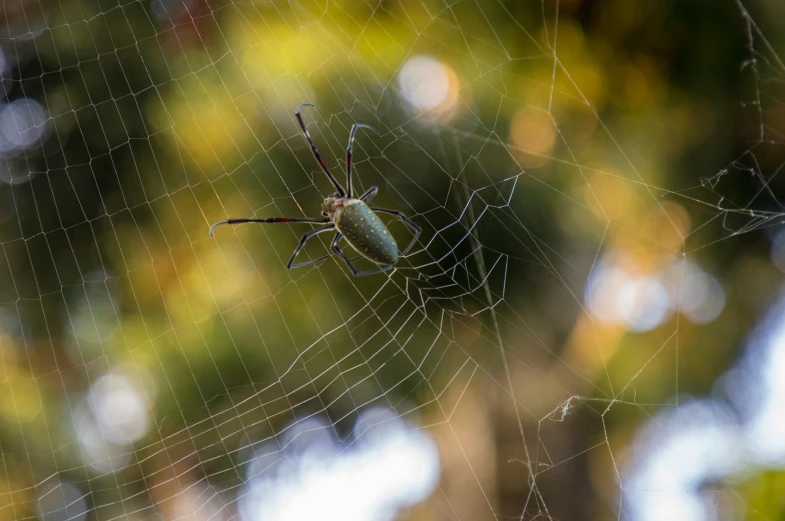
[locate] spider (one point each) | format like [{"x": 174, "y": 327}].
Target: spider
[{"x": 352, "y": 218}]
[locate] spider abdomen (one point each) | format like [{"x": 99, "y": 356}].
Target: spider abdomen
[{"x": 367, "y": 234}]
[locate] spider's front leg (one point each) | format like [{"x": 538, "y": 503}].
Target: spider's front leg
[
  {"x": 268, "y": 220},
  {"x": 349, "y": 154},
  {"x": 367, "y": 196},
  {"x": 315, "y": 150},
  {"x": 349, "y": 262}
]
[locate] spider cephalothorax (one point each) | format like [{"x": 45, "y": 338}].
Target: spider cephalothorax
[
  {"x": 332, "y": 204},
  {"x": 352, "y": 218}
]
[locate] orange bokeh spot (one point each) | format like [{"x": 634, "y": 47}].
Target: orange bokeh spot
[{"x": 533, "y": 134}]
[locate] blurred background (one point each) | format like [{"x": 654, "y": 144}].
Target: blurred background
[{"x": 591, "y": 325}]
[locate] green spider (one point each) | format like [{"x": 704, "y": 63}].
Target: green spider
[{"x": 352, "y": 218}]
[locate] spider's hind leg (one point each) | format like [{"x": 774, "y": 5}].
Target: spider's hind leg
[
  {"x": 407, "y": 221},
  {"x": 350, "y": 262},
  {"x": 290, "y": 265}
]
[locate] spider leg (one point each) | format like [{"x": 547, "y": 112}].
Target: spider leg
[
  {"x": 349, "y": 262},
  {"x": 315, "y": 150},
  {"x": 408, "y": 222},
  {"x": 367, "y": 196},
  {"x": 290, "y": 265},
  {"x": 272, "y": 220},
  {"x": 338, "y": 239},
  {"x": 349, "y": 153}
]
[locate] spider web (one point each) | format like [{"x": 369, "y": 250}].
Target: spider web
[{"x": 152, "y": 372}]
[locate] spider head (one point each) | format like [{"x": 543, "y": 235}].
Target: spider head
[{"x": 331, "y": 205}]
